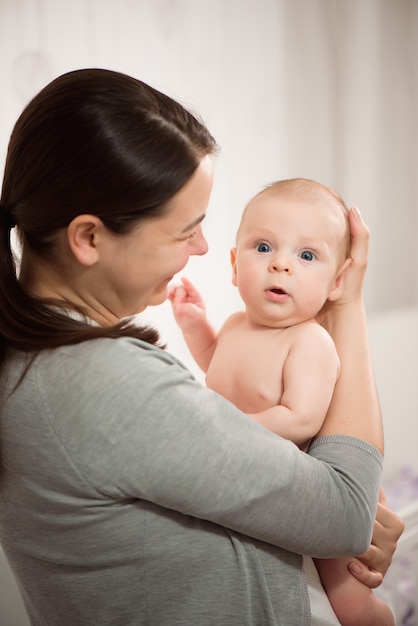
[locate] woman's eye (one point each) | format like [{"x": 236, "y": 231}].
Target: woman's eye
[
  {"x": 307, "y": 255},
  {"x": 263, "y": 247},
  {"x": 193, "y": 234}
]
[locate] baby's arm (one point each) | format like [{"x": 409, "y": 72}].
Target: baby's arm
[
  {"x": 309, "y": 376},
  {"x": 189, "y": 312}
]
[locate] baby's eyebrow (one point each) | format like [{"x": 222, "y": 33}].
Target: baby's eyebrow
[{"x": 194, "y": 223}]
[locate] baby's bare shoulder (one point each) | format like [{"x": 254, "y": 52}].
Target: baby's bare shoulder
[
  {"x": 311, "y": 331},
  {"x": 236, "y": 320}
]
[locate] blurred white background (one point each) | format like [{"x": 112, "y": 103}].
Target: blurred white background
[{"x": 326, "y": 89}]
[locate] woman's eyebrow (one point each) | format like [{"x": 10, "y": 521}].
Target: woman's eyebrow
[{"x": 194, "y": 223}]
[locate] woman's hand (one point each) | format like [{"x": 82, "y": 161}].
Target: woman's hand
[
  {"x": 360, "y": 237},
  {"x": 371, "y": 567}
]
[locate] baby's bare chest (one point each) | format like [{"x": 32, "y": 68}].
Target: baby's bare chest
[{"x": 248, "y": 365}]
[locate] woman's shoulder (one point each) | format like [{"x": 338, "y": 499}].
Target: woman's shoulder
[
  {"x": 103, "y": 365},
  {"x": 93, "y": 383},
  {"x": 107, "y": 352}
]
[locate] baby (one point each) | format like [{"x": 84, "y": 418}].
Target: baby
[{"x": 274, "y": 360}]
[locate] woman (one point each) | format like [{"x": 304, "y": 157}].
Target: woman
[{"x": 130, "y": 493}]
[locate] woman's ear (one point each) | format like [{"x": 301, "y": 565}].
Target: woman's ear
[
  {"x": 339, "y": 282},
  {"x": 233, "y": 257},
  {"x": 83, "y": 234}
]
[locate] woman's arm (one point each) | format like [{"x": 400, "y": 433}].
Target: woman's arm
[
  {"x": 371, "y": 566},
  {"x": 354, "y": 408},
  {"x": 183, "y": 447}
]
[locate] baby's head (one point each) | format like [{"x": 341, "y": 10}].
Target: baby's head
[
  {"x": 292, "y": 249},
  {"x": 327, "y": 204}
]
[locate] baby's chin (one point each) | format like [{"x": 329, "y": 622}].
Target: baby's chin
[{"x": 277, "y": 322}]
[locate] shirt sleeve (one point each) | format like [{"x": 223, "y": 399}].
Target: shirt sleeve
[{"x": 142, "y": 427}]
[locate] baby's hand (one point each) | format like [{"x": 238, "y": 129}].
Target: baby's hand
[{"x": 188, "y": 305}]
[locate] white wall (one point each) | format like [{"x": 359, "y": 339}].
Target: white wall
[
  {"x": 320, "y": 88},
  {"x": 317, "y": 88},
  {"x": 219, "y": 58}
]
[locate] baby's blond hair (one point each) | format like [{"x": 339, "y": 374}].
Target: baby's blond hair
[{"x": 305, "y": 188}]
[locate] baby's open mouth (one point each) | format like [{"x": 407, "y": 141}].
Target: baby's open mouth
[{"x": 278, "y": 290}]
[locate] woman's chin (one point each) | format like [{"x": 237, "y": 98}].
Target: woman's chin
[{"x": 157, "y": 298}]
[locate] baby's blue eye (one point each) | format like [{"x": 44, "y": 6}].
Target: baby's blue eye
[
  {"x": 263, "y": 247},
  {"x": 307, "y": 255}
]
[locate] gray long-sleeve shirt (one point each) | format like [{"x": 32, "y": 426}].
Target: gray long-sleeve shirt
[{"x": 132, "y": 495}]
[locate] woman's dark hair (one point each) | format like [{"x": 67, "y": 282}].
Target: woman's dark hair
[{"x": 92, "y": 141}]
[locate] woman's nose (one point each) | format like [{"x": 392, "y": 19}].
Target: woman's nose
[{"x": 200, "y": 245}]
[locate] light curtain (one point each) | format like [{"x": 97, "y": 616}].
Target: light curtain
[{"x": 325, "y": 89}]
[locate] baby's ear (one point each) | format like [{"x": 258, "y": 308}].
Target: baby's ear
[
  {"x": 339, "y": 282},
  {"x": 233, "y": 257}
]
